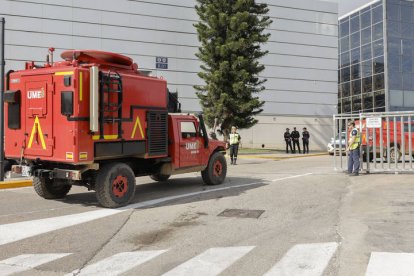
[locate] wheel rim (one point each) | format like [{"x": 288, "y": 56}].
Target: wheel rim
[
  {"x": 217, "y": 168},
  {"x": 120, "y": 186}
]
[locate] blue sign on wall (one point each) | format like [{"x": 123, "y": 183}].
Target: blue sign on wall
[{"x": 161, "y": 62}]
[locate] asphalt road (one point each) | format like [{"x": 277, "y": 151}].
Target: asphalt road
[{"x": 313, "y": 221}]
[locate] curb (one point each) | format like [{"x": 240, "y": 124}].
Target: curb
[
  {"x": 246, "y": 156},
  {"x": 15, "y": 184}
]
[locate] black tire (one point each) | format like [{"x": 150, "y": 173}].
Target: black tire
[
  {"x": 216, "y": 170},
  {"x": 51, "y": 188},
  {"x": 115, "y": 185},
  {"x": 160, "y": 177}
]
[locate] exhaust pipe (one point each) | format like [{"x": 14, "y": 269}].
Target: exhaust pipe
[{"x": 94, "y": 99}]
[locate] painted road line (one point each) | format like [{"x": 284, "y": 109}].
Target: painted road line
[
  {"x": 211, "y": 262},
  {"x": 26, "y": 262},
  {"x": 304, "y": 260},
  {"x": 390, "y": 264},
  {"x": 290, "y": 177},
  {"x": 20, "y": 230},
  {"x": 118, "y": 263},
  {"x": 15, "y": 184}
]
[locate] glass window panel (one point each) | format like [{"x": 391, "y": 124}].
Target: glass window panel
[
  {"x": 368, "y": 101},
  {"x": 356, "y": 104},
  {"x": 339, "y": 107},
  {"x": 366, "y": 36},
  {"x": 346, "y": 89},
  {"x": 339, "y": 91},
  {"x": 345, "y": 74},
  {"x": 407, "y": 48},
  {"x": 396, "y": 98},
  {"x": 365, "y": 19},
  {"x": 344, "y": 59},
  {"x": 394, "y": 63},
  {"x": 366, "y": 52},
  {"x": 367, "y": 85},
  {"x": 378, "y": 65},
  {"x": 355, "y": 71},
  {"x": 408, "y": 82},
  {"x": 409, "y": 100},
  {"x": 393, "y": 12},
  {"x": 355, "y": 40},
  {"x": 344, "y": 28},
  {"x": 394, "y": 46},
  {"x": 378, "y": 48},
  {"x": 406, "y": 30},
  {"x": 393, "y": 29},
  {"x": 379, "y": 101},
  {"x": 355, "y": 55},
  {"x": 377, "y": 31},
  {"x": 407, "y": 64},
  {"x": 379, "y": 82},
  {"x": 346, "y": 105},
  {"x": 406, "y": 13},
  {"x": 366, "y": 68},
  {"x": 345, "y": 44},
  {"x": 355, "y": 23},
  {"x": 356, "y": 87},
  {"x": 377, "y": 14},
  {"x": 395, "y": 80}
]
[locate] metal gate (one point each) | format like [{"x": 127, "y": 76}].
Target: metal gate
[{"x": 386, "y": 141}]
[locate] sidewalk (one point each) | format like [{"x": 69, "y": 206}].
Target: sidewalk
[{"x": 274, "y": 154}]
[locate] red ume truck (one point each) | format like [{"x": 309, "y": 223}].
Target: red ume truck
[
  {"x": 399, "y": 139},
  {"x": 93, "y": 120}
]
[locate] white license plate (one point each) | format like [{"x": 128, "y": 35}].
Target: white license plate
[{"x": 25, "y": 171}]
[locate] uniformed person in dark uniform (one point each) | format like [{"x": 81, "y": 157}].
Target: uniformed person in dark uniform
[
  {"x": 288, "y": 140},
  {"x": 295, "y": 137},
  {"x": 305, "y": 140}
]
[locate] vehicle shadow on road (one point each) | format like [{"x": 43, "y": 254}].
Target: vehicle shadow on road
[{"x": 175, "y": 191}]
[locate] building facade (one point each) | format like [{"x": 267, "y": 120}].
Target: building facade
[
  {"x": 376, "y": 58},
  {"x": 301, "y": 67}
]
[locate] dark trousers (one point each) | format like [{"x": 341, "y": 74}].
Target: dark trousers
[
  {"x": 296, "y": 143},
  {"x": 353, "y": 161},
  {"x": 234, "y": 149},
  {"x": 305, "y": 146},
  {"x": 288, "y": 144}
]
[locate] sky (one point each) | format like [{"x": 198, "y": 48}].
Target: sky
[{"x": 346, "y": 6}]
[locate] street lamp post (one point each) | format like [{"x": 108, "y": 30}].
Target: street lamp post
[{"x": 2, "y": 64}]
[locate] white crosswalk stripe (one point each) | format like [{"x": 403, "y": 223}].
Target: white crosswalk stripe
[
  {"x": 26, "y": 262},
  {"x": 118, "y": 263},
  {"x": 304, "y": 260},
  {"x": 390, "y": 264},
  {"x": 211, "y": 262}
]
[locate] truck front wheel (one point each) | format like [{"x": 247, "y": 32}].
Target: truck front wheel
[
  {"x": 115, "y": 185},
  {"x": 216, "y": 170},
  {"x": 51, "y": 188}
]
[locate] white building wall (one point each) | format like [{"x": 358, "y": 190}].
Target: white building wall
[{"x": 301, "y": 67}]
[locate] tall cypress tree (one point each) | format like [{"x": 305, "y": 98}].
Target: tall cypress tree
[{"x": 231, "y": 33}]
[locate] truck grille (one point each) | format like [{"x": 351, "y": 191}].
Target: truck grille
[{"x": 157, "y": 132}]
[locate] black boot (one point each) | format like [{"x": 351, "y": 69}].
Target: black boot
[
  {"x": 234, "y": 163},
  {"x": 231, "y": 163}
]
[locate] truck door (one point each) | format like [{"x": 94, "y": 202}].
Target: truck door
[
  {"x": 190, "y": 143},
  {"x": 38, "y": 112}
]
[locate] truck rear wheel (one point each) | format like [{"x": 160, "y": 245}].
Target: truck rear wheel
[
  {"x": 51, "y": 188},
  {"x": 160, "y": 177},
  {"x": 115, "y": 185},
  {"x": 216, "y": 170}
]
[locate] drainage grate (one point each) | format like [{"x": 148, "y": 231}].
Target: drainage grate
[{"x": 241, "y": 213}]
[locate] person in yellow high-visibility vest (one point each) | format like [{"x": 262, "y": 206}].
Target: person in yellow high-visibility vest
[
  {"x": 354, "y": 143},
  {"x": 234, "y": 142}
]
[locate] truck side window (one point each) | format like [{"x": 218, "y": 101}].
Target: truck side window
[{"x": 188, "y": 130}]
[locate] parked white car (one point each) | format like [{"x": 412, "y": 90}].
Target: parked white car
[{"x": 334, "y": 144}]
